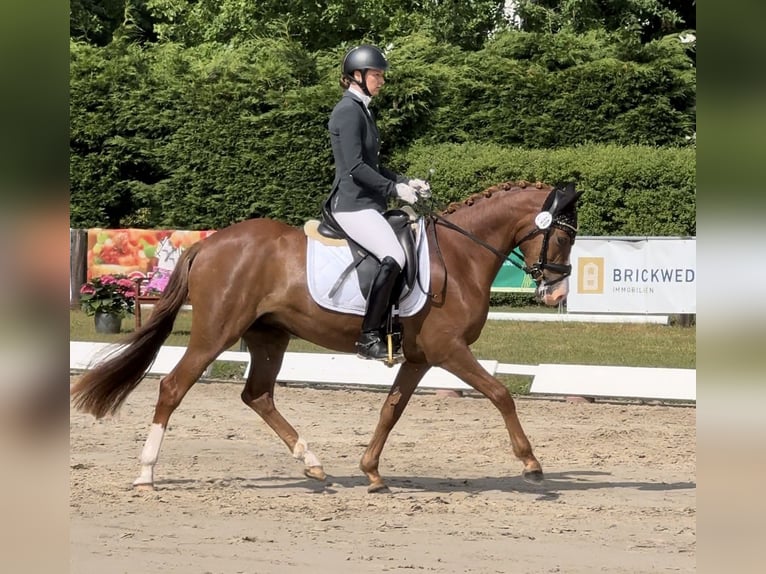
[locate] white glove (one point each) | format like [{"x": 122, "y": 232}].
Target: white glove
[
  {"x": 421, "y": 186},
  {"x": 406, "y": 193}
]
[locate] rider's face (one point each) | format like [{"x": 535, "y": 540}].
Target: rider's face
[{"x": 375, "y": 80}]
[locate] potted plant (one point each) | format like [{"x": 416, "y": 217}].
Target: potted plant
[{"x": 108, "y": 298}]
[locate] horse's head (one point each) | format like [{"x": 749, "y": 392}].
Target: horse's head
[{"x": 547, "y": 245}]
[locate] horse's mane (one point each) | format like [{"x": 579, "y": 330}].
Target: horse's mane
[{"x": 505, "y": 186}]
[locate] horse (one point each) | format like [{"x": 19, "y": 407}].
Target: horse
[{"x": 248, "y": 281}]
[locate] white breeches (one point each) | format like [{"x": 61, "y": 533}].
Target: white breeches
[{"x": 370, "y": 229}]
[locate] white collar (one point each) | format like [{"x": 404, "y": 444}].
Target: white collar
[{"x": 364, "y": 98}]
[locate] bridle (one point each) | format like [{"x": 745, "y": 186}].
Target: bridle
[
  {"x": 545, "y": 222},
  {"x": 537, "y": 270}
]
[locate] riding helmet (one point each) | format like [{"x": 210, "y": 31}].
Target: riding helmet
[{"x": 363, "y": 58}]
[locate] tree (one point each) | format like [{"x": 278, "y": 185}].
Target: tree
[
  {"x": 316, "y": 24},
  {"x": 95, "y": 21},
  {"x": 650, "y": 19}
]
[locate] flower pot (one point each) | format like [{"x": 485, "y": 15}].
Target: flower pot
[{"x": 107, "y": 323}]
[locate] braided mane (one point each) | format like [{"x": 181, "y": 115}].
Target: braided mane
[{"x": 505, "y": 186}]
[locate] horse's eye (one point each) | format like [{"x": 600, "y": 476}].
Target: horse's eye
[{"x": 563, "y": 241}]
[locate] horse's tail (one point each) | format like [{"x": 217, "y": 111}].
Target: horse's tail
[{"x": 103, "y": 389}]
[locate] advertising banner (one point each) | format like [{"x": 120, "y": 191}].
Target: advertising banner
[
  {"x": 511, "y": 279},
  {"x": 138, "y": 252},
  {"x": 624, "y": 275}
]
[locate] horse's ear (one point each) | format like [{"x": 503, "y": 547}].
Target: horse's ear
[
  {"x": 578, "y": 194},
  {"x": 562, "y": 198}
]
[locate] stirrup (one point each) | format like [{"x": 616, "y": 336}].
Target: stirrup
[
  {"x": 371, "y": 346},
  {"x": 394, "y": 353}
]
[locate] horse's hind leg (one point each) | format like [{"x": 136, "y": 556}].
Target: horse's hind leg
[
  {"x": 267, "y": 347},
  {"x": 173, "y": 388}
]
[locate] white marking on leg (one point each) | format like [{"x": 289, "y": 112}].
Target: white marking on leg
[
  {"x": 300, "y": 448},
  {"x": 302, "y": 452},
  {"x": 150, "y": 454},
  {"x": 311, "y": 459}
]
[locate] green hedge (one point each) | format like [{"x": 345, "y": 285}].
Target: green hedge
[
  {"x": 629, "y": 190},
  {"x": 202, "y": 137}
]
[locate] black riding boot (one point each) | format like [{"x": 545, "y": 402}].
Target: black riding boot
[{"x": 371, "y": 344}]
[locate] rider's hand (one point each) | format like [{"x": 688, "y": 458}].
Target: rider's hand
[
  {"x": 406, "y": 193},
  {"x": 421, "y": 186}
]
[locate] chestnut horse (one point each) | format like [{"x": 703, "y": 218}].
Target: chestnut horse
[{"x": 249, "y": 281}]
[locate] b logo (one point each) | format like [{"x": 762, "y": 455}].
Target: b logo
[{"x": 590, "y": 275}]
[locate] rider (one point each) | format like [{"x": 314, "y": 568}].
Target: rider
[{"x": 362, "y": 186}]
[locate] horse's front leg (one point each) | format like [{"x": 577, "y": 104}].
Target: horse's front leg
[
  {"x": 406, "y": 381},
  {"x": 464, "y": 365}
]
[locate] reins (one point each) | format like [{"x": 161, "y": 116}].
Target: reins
[
  {"x": 535, "y": 271},
  {"x": 436, "y": 219}
]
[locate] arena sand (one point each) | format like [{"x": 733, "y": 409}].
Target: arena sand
[{"x": 619, "y": 494}]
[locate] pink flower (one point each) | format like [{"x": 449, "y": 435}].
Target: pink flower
[{"x": 108, "y": 294}]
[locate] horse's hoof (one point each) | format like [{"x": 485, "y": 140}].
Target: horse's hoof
[
  {"x": 533, "y": 476},
  {"x": 315, "y": 472},
  {"x": 144, "y": 487},
  {"x": 378, "y": 487}
]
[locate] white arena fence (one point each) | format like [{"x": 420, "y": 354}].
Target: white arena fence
[{"x": 348, "y": 370}]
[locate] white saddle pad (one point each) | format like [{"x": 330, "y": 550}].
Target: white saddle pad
[{"x": 324, "y": 264}]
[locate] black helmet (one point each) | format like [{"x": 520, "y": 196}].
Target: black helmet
[{"x": 362, "y": 58}]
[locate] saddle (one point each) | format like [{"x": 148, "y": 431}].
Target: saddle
[{"x": 366, "y": 264}]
